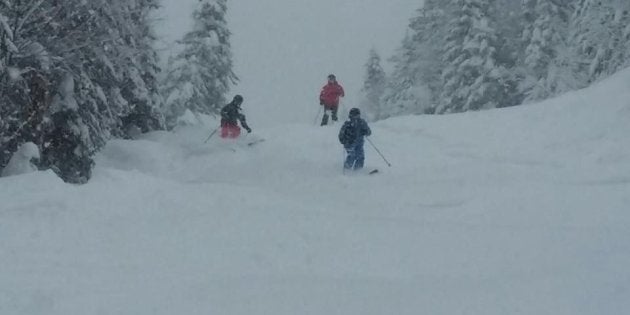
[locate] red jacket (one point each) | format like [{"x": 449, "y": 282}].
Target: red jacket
[{"x": 330, "y": 94}]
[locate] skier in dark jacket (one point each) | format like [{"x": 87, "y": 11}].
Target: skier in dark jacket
[
  {"x": 230, "y": 115},
  {"x": 352, "y": 135}
]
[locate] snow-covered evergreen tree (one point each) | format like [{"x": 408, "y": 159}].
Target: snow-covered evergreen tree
[
  {"x": 140, "y": 86},
  {"x": 599, "y": 36},
  {"x": 373, "y": 86},
  {"x": 401, "y": 96},
  {"x": 545, "y": 58},
  {"x": 625, "y": 32},
  {"x": 430, "y": 29},
  {"x": 472, "y": 77},
  {"x": 414, "y": 87},
  {"x": 79, "y": 119},
  {"x": 25, "y": 71},
  {"x": 68, "y": 143},
  {"x": 620, "y": 32},
  {"x": 201, "y": 75},
  {"x": 70, "y": 62},
  {"x": 510, "y": 21}
]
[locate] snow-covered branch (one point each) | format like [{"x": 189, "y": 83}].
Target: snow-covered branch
[{"x": 23, "y": 19}]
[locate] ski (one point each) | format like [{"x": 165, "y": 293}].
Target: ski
[
  {"x": 249, "y": 144},
  {"x": 359, "y": 172}
]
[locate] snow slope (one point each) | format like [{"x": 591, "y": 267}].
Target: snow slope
[{"x": 514, "y": 211}]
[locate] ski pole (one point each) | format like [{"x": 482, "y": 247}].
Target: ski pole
[
  {"x": 212, "y": 134},
  {"x": 343, "y": 165},
  {"x": 379, "y": 152},
  {"x": 319, "y": 112}
]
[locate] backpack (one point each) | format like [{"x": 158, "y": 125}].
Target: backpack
[{"x": 348, "y": 133}]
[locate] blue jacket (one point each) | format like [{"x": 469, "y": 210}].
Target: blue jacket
[{"x": 353, "y": 132}]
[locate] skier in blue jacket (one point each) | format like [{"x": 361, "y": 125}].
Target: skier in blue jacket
[{"x": 352, "y": 135}]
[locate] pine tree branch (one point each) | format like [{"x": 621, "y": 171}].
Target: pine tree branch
[
  {"x": 26, "y": 16},
  {"x": 6, "y": 4}
]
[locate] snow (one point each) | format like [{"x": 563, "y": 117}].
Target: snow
[
  {"x": 188, "y": 118},
  {"x": 14, "y": 73},
  {"x": 6, "y": 28},
  {"x": 7, "y": 32},
  {"x": 195, "y": 119},
  {"x": 20, "y": 162},
  {"x": 520, "y": 210},
  {"x": 38, "y": 51},
  {"x": 65, "y": 100}
]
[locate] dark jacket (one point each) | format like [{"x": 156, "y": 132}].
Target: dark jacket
[
  {"x": 230, "y": 114},
  {"x": 353, "y": 132}
]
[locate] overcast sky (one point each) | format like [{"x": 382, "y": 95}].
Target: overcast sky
[{"x": 284, "y": 49}]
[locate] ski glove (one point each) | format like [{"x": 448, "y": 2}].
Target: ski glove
[{"x": 249, "y": 130}]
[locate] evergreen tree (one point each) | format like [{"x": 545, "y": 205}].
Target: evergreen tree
[
  {"x": 599, "y": 31},
  {"x": 621, "y": 35},
  {"x": 472, "y": 77},
  {"x": 414, "y": 86},
  {"x": 511, "y": 20},
  {"x": 496, "y": 53},
  {"x": 626, "y": 37},
  {"x": 373, "y": 86},
  {"x": 68, "y": 141},
  {"x": 8, "y": 110},
  {"x": 430, "y": 28},
  {"x": 26, "y": 60},
  {"x": 546, "y": 59},
  {"x": 140, "y": 82},
  {"x": 201, "y": 75},
  {"x": 400, "y": 96},
  {"x": 71, "y": 62}
]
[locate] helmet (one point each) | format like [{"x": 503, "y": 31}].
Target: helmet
[
  {"x": 331, "y": 77},
  {"x": 237, "y": 99},
  {"x": 355, "y": 112}
]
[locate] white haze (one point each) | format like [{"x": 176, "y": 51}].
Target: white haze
[{"x": 284, "y": 49}]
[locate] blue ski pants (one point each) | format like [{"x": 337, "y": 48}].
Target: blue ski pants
[{"x": 356, "y": 156}]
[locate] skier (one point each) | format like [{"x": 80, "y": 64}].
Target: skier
[
  {"x": 329, "y": 98},
  {"x": 351, "y": 135},
  {"x": 230, "y": 114}
]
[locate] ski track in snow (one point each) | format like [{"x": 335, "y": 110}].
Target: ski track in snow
[{"x": 521, "y": 210}]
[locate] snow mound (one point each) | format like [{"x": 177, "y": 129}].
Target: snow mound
[{"x": 22, "y": 160}]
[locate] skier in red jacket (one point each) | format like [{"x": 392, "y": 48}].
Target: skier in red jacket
[{"x": 329, "y": 98}]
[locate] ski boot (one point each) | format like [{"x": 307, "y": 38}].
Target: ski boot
[{"x": 324, "y": 120}]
